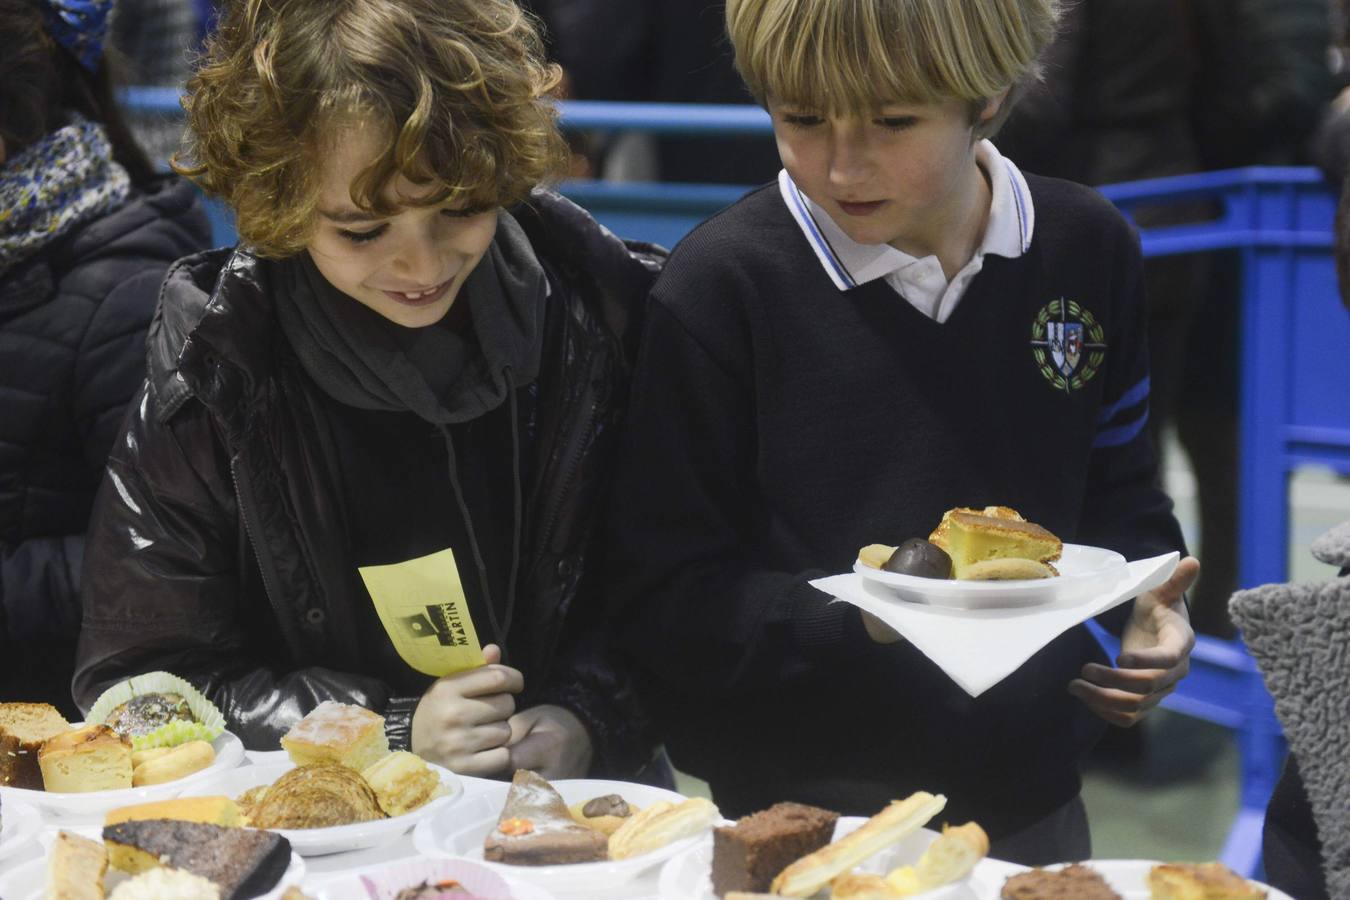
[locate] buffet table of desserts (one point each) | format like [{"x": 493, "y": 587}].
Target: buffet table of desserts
[{"x": 678, "y": 872}]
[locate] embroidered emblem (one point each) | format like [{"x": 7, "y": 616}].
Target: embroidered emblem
[{"x": 1068, "y": 344}]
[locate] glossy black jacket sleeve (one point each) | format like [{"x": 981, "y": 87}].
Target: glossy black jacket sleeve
[{"x": 166, "y": 586}]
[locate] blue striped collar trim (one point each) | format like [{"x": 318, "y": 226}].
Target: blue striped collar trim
[{"x": 797, "y": 205}]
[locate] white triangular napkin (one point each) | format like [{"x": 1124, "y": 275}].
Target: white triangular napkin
[{"x": 978, "y": 648}]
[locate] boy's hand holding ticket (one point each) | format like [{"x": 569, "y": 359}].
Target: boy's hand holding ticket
[{"x": 463, "y": 720}]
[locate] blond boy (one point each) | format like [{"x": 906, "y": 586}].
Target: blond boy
[{"x": 901, "y": 324}]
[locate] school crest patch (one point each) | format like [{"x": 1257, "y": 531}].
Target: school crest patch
[{"x": 1068, "y": 344}]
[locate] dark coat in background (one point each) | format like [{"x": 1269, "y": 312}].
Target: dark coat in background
[{"x": 73, "y": 320}]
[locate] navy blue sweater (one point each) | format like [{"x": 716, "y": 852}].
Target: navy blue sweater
[{"x": 778, "y": 425}]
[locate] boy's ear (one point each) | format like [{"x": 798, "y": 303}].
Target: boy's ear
[{"x": 994, "y": 104}]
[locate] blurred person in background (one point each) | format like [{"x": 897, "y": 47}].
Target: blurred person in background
[
  {"x": 657, "y": 51},
  {"x": 156, "y": 40},
  {"x": 1331, "y": 143},
  {"x": 1150, "y": 88},
  {"x": 87, "y": 232}
]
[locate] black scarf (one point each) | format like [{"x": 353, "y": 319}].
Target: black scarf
[{"x": 364, "y": 360}]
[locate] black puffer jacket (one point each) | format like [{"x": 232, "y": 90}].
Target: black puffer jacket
[
  {"x": 73, "y": 320},
  {"x": 215, "y": 551}
]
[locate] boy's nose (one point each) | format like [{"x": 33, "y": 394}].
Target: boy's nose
[
  {"x": 420, "y": 261},
  {"x": 850, "y": 161}
]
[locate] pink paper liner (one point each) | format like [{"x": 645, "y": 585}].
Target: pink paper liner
[{"x": 484, "y": 883}]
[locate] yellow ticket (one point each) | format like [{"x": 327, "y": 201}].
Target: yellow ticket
[{"x": 422, "y": 606}]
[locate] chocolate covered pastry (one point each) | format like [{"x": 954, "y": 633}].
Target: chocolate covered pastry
[
  {"x": 920, "y": 558},
  {"x": 536, "y": 829}
]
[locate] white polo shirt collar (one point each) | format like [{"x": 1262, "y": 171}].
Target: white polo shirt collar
[{"x": 921, "y": 282}]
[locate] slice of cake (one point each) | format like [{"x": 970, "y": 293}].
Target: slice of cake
[
  {"x": 241, "y": 862},
  {"x": 92, "y": 758},
  {"x": 1202, "y": 881},
  {"x": 213, "y": 810},
  {"x": 1076, "y": 881},
  {"x": 402, "y": 782},
  {"x": 536, "y": 828},
  {"x": 337, "y": 732},
  {"x": 24, "y": 727},
  {"x": 748, "y": 855},
  {"x": 75, "y": 868},
  {"x": 971, "y": 537}
]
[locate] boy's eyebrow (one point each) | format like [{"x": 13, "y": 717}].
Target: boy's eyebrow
[{"x": 343, "y": 216}]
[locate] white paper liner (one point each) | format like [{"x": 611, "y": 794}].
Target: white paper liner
[
  {"x": 480, "y": 880},
  {"x": 208, "y": 717}
]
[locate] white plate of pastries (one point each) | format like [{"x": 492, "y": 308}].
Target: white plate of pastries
[
  {"x": 19, "y": 826},
  {"x": 387, "y": 881},
  {"x": 535, "y": 830},
  {"x": 1138, "y": 879},
  {"x": 84, "y": 866},
  {"x": 79, "y": 765},
  {"x": 341, "y": 788},
  {"x": 799, "y": 851},
  {"x": 149, "y": 737},
  {"x": 990, "y": 557},
  {"x": 330, "y": 794}
]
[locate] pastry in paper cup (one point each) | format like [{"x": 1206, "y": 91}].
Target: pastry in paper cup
[
  {"x": 153, "y": 710},
  {"x": 431, "y": 876}
]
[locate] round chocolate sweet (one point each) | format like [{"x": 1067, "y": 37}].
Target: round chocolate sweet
[
  {"x": 920, "y": 558},
  {"x": 608, "y": 805}
]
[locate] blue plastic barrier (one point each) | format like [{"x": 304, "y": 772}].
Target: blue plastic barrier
[{"x": 1295, "y": 365}]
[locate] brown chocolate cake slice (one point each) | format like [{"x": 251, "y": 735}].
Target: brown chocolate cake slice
[
  {"x": 1075, "y": 882},
  {"x": 536, "y": 829},
  {"x": 242, "y": 862},
  {"x": 747, "y": 856}
]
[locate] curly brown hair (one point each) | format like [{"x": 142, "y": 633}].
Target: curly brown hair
[{"x": 458, "y": 87}]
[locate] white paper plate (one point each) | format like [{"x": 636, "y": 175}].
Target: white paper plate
[
  {"x": 461, "y": 832},
  {"x": 20, "y": 827},
  {"x": 390, "y": 878},
  {"x": 1083, "y": 572},
  {"x": 28, "y": 881},
  {"x": 341, "y": 838},
  {"x": 689, "y": 875},
  {"x": 90, "y": 806},
  {"x": 1129, "y": 878}
]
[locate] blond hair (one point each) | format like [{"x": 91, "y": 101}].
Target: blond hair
[
  {"x": 851, "y": 56},
  {"x": 458, "y": 88}
]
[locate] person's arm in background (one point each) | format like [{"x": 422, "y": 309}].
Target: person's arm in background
[
  {"x": 40, "y": 576},
  {"x": 1042, "y": 134},
  {"x": 1264, "y": 80},
  {"x": 169, "y": 584}
]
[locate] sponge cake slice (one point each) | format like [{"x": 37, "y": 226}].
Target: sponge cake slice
[{"x": 971, "y": 537}]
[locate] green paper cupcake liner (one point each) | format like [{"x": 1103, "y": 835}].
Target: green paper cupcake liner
[{"x": 209, "y": 725}]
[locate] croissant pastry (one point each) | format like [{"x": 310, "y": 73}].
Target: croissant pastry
[{"x": 318, "y": 796}]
